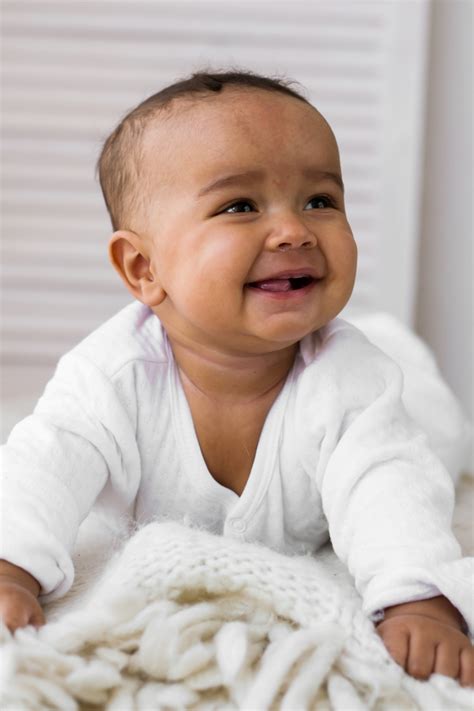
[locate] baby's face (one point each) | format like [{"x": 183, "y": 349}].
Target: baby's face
[{"x": 246, "y": 229}]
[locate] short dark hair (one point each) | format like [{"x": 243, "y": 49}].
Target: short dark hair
[{"x": 120, "y": 159}]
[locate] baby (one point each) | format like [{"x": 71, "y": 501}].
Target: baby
[{"x": 228, "y": 394}]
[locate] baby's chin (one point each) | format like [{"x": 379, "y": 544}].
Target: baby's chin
[
  {"x": 292, "y": 327},
  {"x": 279, "y": 338},
  {"x": 286, "y": 327}
]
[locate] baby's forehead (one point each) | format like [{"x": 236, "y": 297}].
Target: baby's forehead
[
  {"x": 261, "y": 136},
  {"x": 233, "y": 109},
  {"x": 233, "y": 121}
]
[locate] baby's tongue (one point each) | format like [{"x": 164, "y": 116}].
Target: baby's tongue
[{"x": 274, "y": 285}]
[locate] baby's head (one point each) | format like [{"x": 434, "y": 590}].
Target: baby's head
[{"x": 226, "y": 197}]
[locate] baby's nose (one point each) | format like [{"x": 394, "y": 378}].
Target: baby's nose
[
  {"x": 296, "y": 244},
  {"x": 291, "y": 233}
]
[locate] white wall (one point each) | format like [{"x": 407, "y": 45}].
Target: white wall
[{"x": 445, "y": 294}]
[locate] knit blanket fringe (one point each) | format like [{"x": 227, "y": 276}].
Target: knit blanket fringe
[{"x": 183, "y": 619}]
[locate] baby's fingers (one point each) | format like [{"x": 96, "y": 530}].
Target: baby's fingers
[
  {"x": 14, "y": 617},
  {"x": 456, "y": 663},
  {"x": 466, "y": 657},
  {"x": 447, "y": 660},
  {"x": 421, "y": 656},
  {"x": 37, "y": 618},
  {"x": 396, "y": 641},
  {"x": 19, "y": 608}
]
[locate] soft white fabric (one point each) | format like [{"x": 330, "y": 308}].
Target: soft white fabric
[
  {"x": 426, "y": 396},
  {"x": 338, "y": 453},
  {"x": 183, "y": 619}
]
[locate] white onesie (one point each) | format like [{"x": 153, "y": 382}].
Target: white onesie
[{"x": 338, "y": 456}]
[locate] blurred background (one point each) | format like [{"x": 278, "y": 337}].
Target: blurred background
[{"x": 393, "y": 77}]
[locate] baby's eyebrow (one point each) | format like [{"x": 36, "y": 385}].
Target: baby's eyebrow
[
  {"x": 317, "y": 174},
  {"x": 235, "y": 179},
  {"x": 229, "y": 180}
]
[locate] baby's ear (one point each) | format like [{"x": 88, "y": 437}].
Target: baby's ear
[{"x": 128, "y": 255}]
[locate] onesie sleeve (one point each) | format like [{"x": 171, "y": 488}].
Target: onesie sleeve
[
  {"x": 387, "y": 498},
  {"x": 78, "y": 444}
]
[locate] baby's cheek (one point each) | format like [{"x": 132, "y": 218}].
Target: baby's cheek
[
  {"x": 345, "y": 255},
  {"x": 352, "y": 245}
]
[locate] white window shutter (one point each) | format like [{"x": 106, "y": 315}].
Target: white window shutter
[{"x": 72, "y": 69}]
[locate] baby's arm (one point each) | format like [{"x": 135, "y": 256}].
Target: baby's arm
[
  {"x": 79, "y": 445},
  {"x": 425, "y": 638},
  {"x": 18, "y": 597},
  {"x": 388, "y": 502}
]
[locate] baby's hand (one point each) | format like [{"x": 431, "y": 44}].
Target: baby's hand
[
  {"x": 18, "y": 606},
  {"x": 18, "y": 592},
  {"x": 424, "y": 645}
]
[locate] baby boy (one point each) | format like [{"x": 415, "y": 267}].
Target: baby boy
[{"x": 229, "y": 394}]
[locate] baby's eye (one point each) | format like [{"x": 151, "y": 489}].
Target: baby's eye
[
  {"x": 319, "y": 202},
  {"x": 239, "y": 206}
]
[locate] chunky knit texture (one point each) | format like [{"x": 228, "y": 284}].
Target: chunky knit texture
[{"x": 183, "y": 619}]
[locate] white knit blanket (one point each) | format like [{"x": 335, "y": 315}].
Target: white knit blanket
[{"x": 182, "y": 619}]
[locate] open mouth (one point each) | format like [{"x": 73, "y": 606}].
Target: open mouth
[{"x": 283, "y": 284}]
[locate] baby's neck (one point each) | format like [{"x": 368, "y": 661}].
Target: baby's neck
[{"x": 227, "y": 378}]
